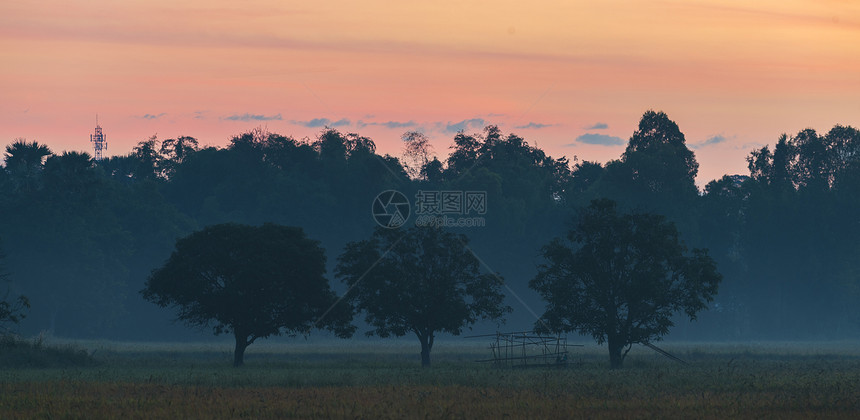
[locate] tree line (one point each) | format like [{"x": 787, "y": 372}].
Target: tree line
[{"x": 82, "y": 237}]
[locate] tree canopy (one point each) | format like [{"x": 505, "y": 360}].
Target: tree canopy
[
  {"x": 251, "y": 281},
  {"x": 625, "y": 281},
  {"x": 421, "y": 280}
]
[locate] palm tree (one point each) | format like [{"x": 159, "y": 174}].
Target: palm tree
[{"x": 25, "y": 162}]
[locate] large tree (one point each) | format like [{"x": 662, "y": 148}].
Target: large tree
[
  {"x": 11, "y": 312},
  {"x": 626, "y": 279},
  {"x": 251, "y": 281},
  {"x": 658, "y": 157},
  {"x": 656, "y": 173},
  {"x": 422, "y": 281}
]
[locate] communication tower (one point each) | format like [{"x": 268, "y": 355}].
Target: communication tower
[{"x": 98, "y": 140}]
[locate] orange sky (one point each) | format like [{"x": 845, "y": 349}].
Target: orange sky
[{"x": 737, "y": 73}]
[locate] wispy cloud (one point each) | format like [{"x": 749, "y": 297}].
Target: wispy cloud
[
  {"x": 252, "y": 117},
  {"x": 388, "y": 124},
  {"x": 750, "y": 146},
  {"x": 597, "y": 126},
  {"x": 397, "y": 124},
  {"x": 598, "y": 139},
  {"x": 199, "y": 115},
  {"x": 316, "y": 122},
  {"x": 152, "y": 116},
  {"x": 710, "y": 141},
  {"x": 534, "y": 125},
  {"x": 465, "y": 125},
  {"x": 714, "y": 140},
  {"x": 321, "y": 122}
]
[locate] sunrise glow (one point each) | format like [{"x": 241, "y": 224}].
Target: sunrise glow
[{"x": 571, "y": 77}]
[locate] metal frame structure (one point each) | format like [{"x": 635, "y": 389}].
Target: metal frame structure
[
  {"x": 99, "y": 141},
  {"x": 528, "y": 349}
]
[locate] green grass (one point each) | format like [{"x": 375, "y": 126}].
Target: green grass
[{"x": 383, "y": 379}]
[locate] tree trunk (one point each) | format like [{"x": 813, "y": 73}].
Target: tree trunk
[
  {"x": 616, "y": 359},
  {"x": 239, "y": 352},
  {"x": 426, "y": 346}
]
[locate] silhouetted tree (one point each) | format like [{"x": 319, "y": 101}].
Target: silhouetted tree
[
  {"x": 422, "y": 281},
  {"x": 782, "y": 175},
  {"x": 466, "y": 151},
  {"x": 658, "y": 155},
  {"x": 253, "y": 282},
  {"x": 11, "y": 312},
  {"x": 332, "y": 146},
  {"x": 584, "y": 175},
  {"x": 416, "y": 153},
  {"x": 656, "y": 173},
  {"x": 175, "y": 151},
  {"x": 523, "y": 184},
  {"x": 120, "y": 168},
  {"x": 24, "y": 163},
  {"x": 845, "y": 145},
  {"x": 784, "y": 238},
  {"x": 433, "y": 171},
  {"x": 148, "y": 159},
  {"x": 71, "y": 173},
  {"x": 71, "y": 219},
  {"x": 624, "y": 282},
  {"x": 814, "y": 166},
  {"x": 799, "y": 229},
  {"x": 179, "y": 148}
]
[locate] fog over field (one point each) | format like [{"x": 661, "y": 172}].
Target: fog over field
[
  {"x": 81, "y": 236},
  {"x": 445, "y": 209}
]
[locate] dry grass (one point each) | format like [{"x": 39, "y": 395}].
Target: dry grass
[{"x": 776, "y": 380}]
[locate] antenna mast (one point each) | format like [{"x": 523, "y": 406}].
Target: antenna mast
[{"x": 99, "y": 140}]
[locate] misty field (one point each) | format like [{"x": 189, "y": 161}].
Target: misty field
[{"x": 379, "y": 380}]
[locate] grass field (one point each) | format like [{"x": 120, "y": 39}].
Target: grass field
[{"x": 384, "y": 380}]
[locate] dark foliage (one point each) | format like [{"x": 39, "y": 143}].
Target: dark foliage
[
  {"x": 421, "y": 281},
  {"x": 12, "y": 311},
  {"x": 252, "y": 282},
  {"x": 624, "y": 281}
]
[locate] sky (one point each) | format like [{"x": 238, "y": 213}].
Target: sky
[{"x": 571, "y": 77}]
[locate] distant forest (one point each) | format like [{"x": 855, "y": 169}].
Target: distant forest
[{"x": 81, "y": 236}]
